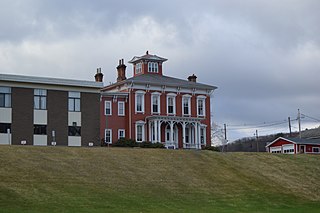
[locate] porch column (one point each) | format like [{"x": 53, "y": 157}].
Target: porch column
[
  {"x": 150, "y": 131},
  {"x": 159, "y": 131},
  {"x": 205, "y": 136},
  {"x": 155, "y": 127},
  {"x": 184, "y": 134},
  {"x": 199, "y": 136},
  {"x": 196, "y": 135},
  {"x": 171, "y": 132}
]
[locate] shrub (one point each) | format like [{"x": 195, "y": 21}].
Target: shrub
[
  {"x": 124, "y": 142},
  {"x": 148, "y": 144},
  {"x": 159, "y": 145},
  {"x": 212, "y": 148}
]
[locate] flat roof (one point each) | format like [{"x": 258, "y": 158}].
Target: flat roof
[{"x": 52, "y": 81}]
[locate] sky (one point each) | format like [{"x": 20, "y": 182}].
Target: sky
[{"x": 264, "y": 56}]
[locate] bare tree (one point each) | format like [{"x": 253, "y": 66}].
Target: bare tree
[{"x": 217, "y": 135}]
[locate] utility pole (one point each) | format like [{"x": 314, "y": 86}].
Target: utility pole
[
  {"x": 299, "y": 121},
  {"x": 290, "y": 133},
  {"x": 225, "y": 135},
  {"x": 257, "y": 138}
]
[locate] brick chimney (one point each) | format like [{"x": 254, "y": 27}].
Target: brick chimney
[
  {"x": 192, "y": 78},
  {"x": 99, "y": 75},
  {"x": 121, "y": 68}
]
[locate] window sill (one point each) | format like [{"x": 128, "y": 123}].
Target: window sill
[
  {"x": 171, "y": 114},
  {"x": 139, "y": 112}
]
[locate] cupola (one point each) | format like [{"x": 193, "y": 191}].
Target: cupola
[{"x": 151, "y": 64}]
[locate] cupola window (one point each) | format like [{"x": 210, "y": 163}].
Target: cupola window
[
  {"x": 153, "y": 67},
  {"x": 138, "y": 68}
]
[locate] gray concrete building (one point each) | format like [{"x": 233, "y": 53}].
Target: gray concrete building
[{"x": 49, "y": 111}]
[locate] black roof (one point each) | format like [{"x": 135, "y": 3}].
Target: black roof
[{"x": 155, "y": 79}]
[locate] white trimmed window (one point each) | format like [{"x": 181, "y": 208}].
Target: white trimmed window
[
  {"x": 140, "y": 131},
  {"x": 138, "y": 68},
  {"x": 203, "y": 134},
  {"x": 74, "y": 101},
  {"x": 155, "y": 103},
  {"x": 108, "y": 136},
  {"x": 153, "y": 67},
  {"x": 315, "y": 149},
  {"x": 5, "y": 97},
  {"x": 171, "y": 104},
  {"x": 121, "y": 108},
  {"x": 108, "y": 107},
  {"x": 139, "y": 101},
  {"x": 201, "y": 105},
  {"x": 121, "y": 133},
  {"x": 186, "y": 105},
  {"x": 40, "y": 99}
]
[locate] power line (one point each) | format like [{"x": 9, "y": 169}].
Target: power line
[
  {"x": 259, "y": 126},
  {"x": 254, "y": 124},
  {"x": 313, "y": 118},
  {"x": 270, "y": 126}
]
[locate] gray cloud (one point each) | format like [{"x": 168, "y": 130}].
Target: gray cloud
[{"x": 263, "y": 55}]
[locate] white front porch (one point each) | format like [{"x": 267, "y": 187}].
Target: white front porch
[{"x": 177, "y": 132}]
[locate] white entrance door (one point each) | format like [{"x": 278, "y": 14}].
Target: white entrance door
[{"x": 171, "y": 144}]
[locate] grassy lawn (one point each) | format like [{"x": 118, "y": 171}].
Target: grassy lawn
[{"x": 65, "y": 179}]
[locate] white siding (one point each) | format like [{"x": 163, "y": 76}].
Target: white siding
[
  {"x": 74, "y": 117},
  {"x": 74, "y": 141},
  {"x": 5, "y": 139},
  {"x": 40, "y": 117},
  {"x": 5, "y": 115},
  {"x": 40, "y": 140}
]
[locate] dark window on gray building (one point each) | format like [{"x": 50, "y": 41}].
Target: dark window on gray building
[
  {"x": 4, "y": 127},
  {"x": 40, "y": 129},
  {"x": 74, "y": 131}
]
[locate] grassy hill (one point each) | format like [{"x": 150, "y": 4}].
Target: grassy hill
[{"x": 64, "y": 179}]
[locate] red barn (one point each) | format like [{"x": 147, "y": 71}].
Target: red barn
[
  {"x": 294, "y": 146},
  {"x": 153, "y": 107}
]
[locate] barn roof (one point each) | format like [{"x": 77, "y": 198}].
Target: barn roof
[{"x": 297, "y": 141}]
